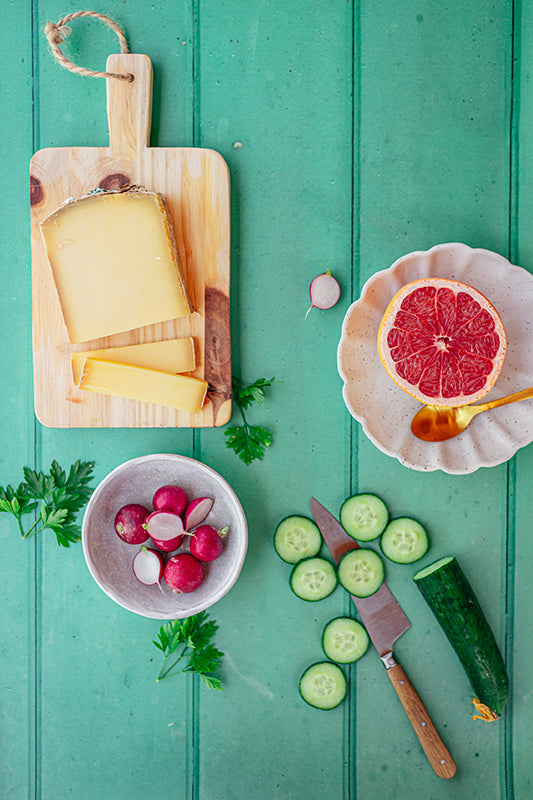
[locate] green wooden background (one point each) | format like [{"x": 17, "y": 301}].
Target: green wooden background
[{"x": 368, "y": 130}]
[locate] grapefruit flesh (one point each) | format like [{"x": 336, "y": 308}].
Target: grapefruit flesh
[{"x": 442, "y": 341}]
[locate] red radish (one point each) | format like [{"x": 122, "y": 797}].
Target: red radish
[
  {"x": 207, "y": 543},
  {"x": 129, "y": 523},
  {"x": 164, "y": 525},
  {"x": 324, "y": 291},
  {"x": 196, "y": 512},
  {"x": 168, "y": 545},
  {"x": 183, "y": 573},
  {"x": 148, "y": 566},
  {"x": 170, "y": 498}
]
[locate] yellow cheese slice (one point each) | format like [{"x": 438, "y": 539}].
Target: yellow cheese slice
[
  {"x": 114, "y": 263},
  {"x": 138, "y": 383},
  {"x": 172, "y": 355}
]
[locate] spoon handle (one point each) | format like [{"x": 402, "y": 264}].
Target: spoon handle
[{"x": 525, "y": 394}]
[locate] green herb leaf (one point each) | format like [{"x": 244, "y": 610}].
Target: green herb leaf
[
  {"x": 193, "y": 637},
  {"x": 248, "y": 441},
  {"x": 246, "y": 394},
  {"x": 212, "y": 682},
  {"x": 56, "y": 498}
]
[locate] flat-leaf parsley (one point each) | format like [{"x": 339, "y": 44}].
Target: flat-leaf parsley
[
  {"x": 189, "y": 640},
  {"x": 55, "y": 498},
  {"x": 249, "y": 441}
]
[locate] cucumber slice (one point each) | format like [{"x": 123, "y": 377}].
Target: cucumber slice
[
  {"x": 364, "y": 516},
  {"x": 344, "y": 640},
  {"x": 449, "y": 595},
  {"x": 323, "y": 685},
  {"x": 404, "y": 540},
  {"x": 313, "y": 579},
  {"x": 296, "y": 538},
  {"x": 361, "y": 572}
]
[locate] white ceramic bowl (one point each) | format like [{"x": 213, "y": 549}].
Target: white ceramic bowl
[
  {"x": 110, "y": 559},
  {"x": 385, "y": 411}
]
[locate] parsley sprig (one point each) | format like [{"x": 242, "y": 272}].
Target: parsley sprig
[
  {"x": 190, "y": 641},
  {"x": 249, "y": 441},
  {"x": 58, "y": 496}
]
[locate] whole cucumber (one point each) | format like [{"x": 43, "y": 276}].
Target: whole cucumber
[{"x": 451, "y": 598}]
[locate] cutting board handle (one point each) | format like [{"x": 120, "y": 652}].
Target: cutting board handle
[{"x": 129, "y": 105}]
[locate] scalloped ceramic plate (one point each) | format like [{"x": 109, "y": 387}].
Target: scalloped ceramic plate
[
  {"x": 110, "y": 559},
  {"x": 385, "y": 411}
]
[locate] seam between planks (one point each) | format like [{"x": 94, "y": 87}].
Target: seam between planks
[
  {"x": 350, "y": 739},
  {"x": 194, "y": 739},
  {"x": 35, "y": 729},
  {"x": 506, "y": 748}
]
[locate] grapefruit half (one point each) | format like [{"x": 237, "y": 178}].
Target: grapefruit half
[{"x": 442, "y": 341}]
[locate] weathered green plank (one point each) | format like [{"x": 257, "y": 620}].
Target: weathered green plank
[
  {"x": 17, "y": 656},
  {"x": 266, "y": 84},
  {"x": 434, "y": 112},
  {"x": 521, "y": 549},
  {"x": 105, "y": 723}
]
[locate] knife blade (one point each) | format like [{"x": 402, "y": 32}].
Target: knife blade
[{"x": 385, "y": 622}]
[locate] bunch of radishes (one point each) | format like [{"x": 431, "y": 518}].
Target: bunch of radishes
[{"x": 173, "y": 518}]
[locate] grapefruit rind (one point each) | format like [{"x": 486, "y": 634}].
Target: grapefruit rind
[{"x": 439, "y": 398}]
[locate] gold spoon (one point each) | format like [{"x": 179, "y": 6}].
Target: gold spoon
[{"x": 437, "y": 423}]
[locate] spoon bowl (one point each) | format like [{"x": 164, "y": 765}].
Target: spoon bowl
[{"x": 438, "y": 423}]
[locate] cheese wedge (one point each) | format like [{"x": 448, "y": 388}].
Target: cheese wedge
[
  {"x": 172, "y": 355},
  {"x": 114, "y": 263},
  {"x": 138, "y": 383}
]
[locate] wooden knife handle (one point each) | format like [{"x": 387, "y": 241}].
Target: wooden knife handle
[{"x": 433, "y": 746}]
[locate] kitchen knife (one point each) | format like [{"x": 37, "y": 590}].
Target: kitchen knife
[{"x": 385, "y": 622}]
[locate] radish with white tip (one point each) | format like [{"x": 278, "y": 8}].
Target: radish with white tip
[
  {"x": 164, "y": 526},
  {"x": 183, "y": 573},
  {"x": 324, "y": 291},
  {"x": 129, "y": 523},
  {"x": 148, "y": 566},
  {"x": 206, "y": 543},
  {"x": 196, "y": 512}
]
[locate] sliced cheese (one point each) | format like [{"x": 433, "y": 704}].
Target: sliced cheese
[
  {"x": 114, "y": 263},
  {"x": 172, "y": 355},
  {"x": 138, "y": 383}
]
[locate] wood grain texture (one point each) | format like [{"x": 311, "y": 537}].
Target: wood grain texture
[
  {"x": 195, "y": 185},
  {"x": 368, "y": 130},
  {"x": 437, "y": 754}
]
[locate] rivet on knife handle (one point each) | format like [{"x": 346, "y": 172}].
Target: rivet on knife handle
[{"x": 436, "y": 752}]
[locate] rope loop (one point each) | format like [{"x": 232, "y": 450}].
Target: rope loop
[{"x": 56, "y": 33}]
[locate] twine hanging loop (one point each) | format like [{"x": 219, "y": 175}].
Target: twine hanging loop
[{"x": 57, "y": 32}]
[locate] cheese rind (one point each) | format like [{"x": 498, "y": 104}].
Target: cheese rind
[
  {"x": 138, "y": 383},
  {"x": 171, "y": 355},
  {"x": 114, "y": 262}
]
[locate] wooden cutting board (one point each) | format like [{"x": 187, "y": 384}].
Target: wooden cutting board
[{"x": 195, "y": 185}]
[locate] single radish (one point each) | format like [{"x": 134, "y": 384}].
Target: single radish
[
  {"x": 206, "y": 543},
  {"x": 196, "y": 512},
  {"x": 164, "y": 525},
  {"x": 324, "y": 291},
  {"x": 183, "y": 573},
  {"x": 170, "y": 498},
  {"x": 129, "y": 523},
  {"x": 167, "y": 545},
  {"x": 148, "y": 566}
]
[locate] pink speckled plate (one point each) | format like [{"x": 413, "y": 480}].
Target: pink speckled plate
[
  {"x": 385, "y": 411},
  {"x": 110, "y": 559}
]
